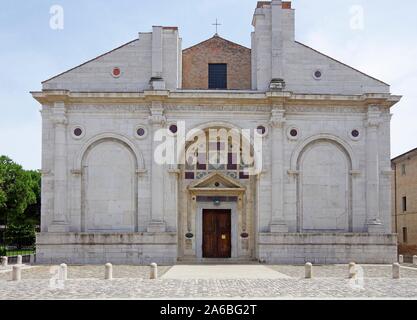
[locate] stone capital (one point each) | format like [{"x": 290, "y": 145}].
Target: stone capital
[
  {"x": 157, "y": 116},
  {"x": 277, "y": 118},
  {"x": 373, "y": 122},
  {"x": 59, "y": 119},
  {"x": 58, "y": 116},
  {"x": 374, "y": 116},
  {"x": 374, "y": 109}
]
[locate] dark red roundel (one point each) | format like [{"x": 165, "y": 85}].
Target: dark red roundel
[{"x": 116, "y": 72}]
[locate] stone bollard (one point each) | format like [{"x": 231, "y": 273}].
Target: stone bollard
[
  {"x": 415, "y": 260},
  {"x": 32, "y": 259},
  {"x": 396, "y": 271},
  {"x": 154, "y": 271},
  {"x": 352, "y": 270},
  {"x": 17, "y": 273},
  {"x": 308, "y": 270},
  {"x": 401, "y": 258},
  {"x": 19, "y": 260},
  {"x": 108, "y": 271},
  {"x": 63, "y": 272},
  {"x": 4, "y": 261}
]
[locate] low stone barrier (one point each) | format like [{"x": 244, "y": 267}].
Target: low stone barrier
[
  {"x": 396, "y": 271},
  {"x": 4, "y": 262},
  {"x": 17, "y": 273},
  {"x": 154, "y": 271},
  {"x": 308, "y": 270},
  {"x": 352, "y": 270},
  {"x": 108, "y": 271},
  {"x": 63, "y": 272}
]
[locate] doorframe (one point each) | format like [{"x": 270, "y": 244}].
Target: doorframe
[{"x": 234, "y": 227}]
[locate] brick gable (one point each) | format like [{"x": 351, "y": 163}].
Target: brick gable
[{"x": 216, "y": 50}]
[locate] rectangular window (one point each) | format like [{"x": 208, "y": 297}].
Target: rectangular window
[
  {"x": 403, "y": 171},
  {"x": 405, "y": 235},
  {"x": 189, "y": 175},
  {"x": 217, "y": 76},
  {"x": 404, "y": 204}
]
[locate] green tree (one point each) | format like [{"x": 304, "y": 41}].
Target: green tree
[
  {"x": 19, "y": 193},
  {"x": 2, "y": 194},
  {"x": 32, "y": 213}
]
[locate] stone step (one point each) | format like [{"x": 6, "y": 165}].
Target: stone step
[{"x": 241, "y": 261}]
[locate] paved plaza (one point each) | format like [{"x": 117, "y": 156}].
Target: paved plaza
[{"x": 210, "y": 282}]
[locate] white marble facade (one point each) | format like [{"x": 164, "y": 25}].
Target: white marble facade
[{"x": 323, "y": 194}]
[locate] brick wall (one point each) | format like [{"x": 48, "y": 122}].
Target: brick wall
[{"x": 216, "y": 50}]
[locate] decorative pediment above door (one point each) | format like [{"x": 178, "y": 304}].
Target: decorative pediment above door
[{"x": 217, "y": 183}]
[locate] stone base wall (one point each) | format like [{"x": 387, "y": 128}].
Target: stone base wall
[
  {"x": 145, "y": 248},
  {"x": 322, "y": 248},
  {"x": 123, "y": 248}
]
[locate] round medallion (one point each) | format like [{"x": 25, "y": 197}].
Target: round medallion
[
  {"x": 78, "y": 132},
  {"x": 355, "y": 134},
  {"x": 116, "y": 72},
  {"x": 261, "y": 130},
  {"x": 318, "y": 74},
  {"x": 173, "y": 128},
  {"x": 141, "y": 132},
  {"x": 294, "y": 133}
]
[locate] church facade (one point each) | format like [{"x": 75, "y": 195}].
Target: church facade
[{"x": 133, "y": 172}]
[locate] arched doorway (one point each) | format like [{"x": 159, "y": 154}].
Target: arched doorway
[{"x": 217, "y": 199}]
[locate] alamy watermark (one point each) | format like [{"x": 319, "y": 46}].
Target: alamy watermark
[
  {"x": 56, "y": 21},
  {"x": 56, "y": 282},
  {"x": 357, "y": 17},
  {"x": 358, "y": 281},
  {"x": 186, "y": 148}
]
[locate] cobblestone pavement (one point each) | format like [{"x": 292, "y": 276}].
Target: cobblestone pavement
[
  {"x": 85, "y": 272},
  {"x": 341, "y": 271},
  {"x": 133, "y": 283}
]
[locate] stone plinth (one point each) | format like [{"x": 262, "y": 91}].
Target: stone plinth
[
  {"x": 327, "y": 248},
  {"x": 99, "y": 248}
]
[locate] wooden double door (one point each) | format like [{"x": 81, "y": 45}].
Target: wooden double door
[{"x": 217, "y": 242}]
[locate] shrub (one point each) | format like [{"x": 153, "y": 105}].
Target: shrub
[{"x": 20, "y": 235}]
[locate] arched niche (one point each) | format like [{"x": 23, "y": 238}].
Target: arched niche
[
  {"x": 324, "y": 185},
  {"x": 109, "y": 190}
]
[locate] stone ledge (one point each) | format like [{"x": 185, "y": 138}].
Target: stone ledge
[
  {"x": 166, "y": 238},
  {"x": 327, "y": 239}
]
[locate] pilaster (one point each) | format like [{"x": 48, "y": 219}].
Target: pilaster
[
  {"x": 278, "y": 224},
  {"x": 59, "y": 119},
  {"x": 157, "y": 121},
  {"x": 374, "y": 223}
]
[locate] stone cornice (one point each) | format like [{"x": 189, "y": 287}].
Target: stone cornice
[{"x": 198, "y": 97}]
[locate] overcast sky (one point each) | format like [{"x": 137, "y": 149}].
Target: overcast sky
[{"x": 382, "y": 44}]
